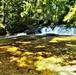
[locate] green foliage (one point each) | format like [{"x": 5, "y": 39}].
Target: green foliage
[
  {"x": 14, "y": 23},
  {"x": 71, "y": 16},
  {"x": 30, "y": 13},
  {"x": 44, "y": 10},
  {"x": 2, "y": 31},
  {"x": 1, "y": 13}
]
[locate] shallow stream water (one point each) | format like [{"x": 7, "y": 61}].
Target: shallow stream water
[{"x": 38, "y": 55}]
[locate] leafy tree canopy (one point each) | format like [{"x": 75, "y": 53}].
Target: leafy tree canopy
[{"x": 29, "y": 13}]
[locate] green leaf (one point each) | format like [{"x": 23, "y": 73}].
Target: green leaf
[{"x": 39, "y": 10}]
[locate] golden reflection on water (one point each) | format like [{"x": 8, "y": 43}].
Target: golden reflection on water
[{"x": 39, "y": 53}]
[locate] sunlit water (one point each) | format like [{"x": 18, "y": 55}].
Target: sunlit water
[
  {"x": 58, "y": 30},
  {"x": 46, "y": 54},
  {"x": 44, "y": 31}
]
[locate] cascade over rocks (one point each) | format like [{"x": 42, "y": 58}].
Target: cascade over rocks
[
  {"x": 50, "y": 30},
  {"x": 45, "y": 31},
  {"x": 56, "y": 30}
]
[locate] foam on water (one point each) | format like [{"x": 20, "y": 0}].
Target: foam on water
[{"x": 58, "y": 30}]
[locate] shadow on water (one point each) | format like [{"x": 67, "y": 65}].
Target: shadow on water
[
  {"x": 39, "y": 44},
  {"x": 26, "y": 51}
]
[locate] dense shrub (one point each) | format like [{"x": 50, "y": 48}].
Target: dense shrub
[
  {"x": 2, "y": 31},
  {"x": 70, "y": 18},
  {"x": 15, "y": 27},
  {"x": 20, "y": 14}
]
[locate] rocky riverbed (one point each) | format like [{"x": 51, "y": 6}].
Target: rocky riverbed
[{"x": 31, "y": 55}]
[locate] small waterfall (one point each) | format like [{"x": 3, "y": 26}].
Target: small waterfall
[
  {"x": 21, "y": 34},
  {"x": 55, "y": 31},
  {"x": 58, "y": 30},
  {"x": 66, "y": 30},
  {"x": 74, "y": 31},
  {"x": 43, "y": 31}
]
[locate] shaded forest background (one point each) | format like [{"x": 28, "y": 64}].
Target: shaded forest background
[{"x": 19, "y": 15}]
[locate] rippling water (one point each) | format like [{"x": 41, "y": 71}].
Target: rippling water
[{"x": 30, "y": 52}]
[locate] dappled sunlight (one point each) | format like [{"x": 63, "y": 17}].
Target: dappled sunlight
[
  {"x": 27, "y": 53},
  {"x": 53, "y": 41},
  {"x": 73, "y": 62},
  {"x": 22, "y": 61},
  {"x": 29, "y": 42},
  {"x": 71, "y": 45},
  {"x": 40, "y": 55},
  {"x": 12, "y": 49},
  {"x": 50, "y": 63},
  {"x": 49, "y": 72},
  {"x": 44, "y": 54},
  {"x": 13, "y": 58},
  {"x": 3, "y": 49},
  {"x": 57, "y": 39},
  {"x": 25, "y": 42},
  {"x": 40, "y": 46},
  {"x": 52, "y": 66},
  {"x": 0, "y": 62}
]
